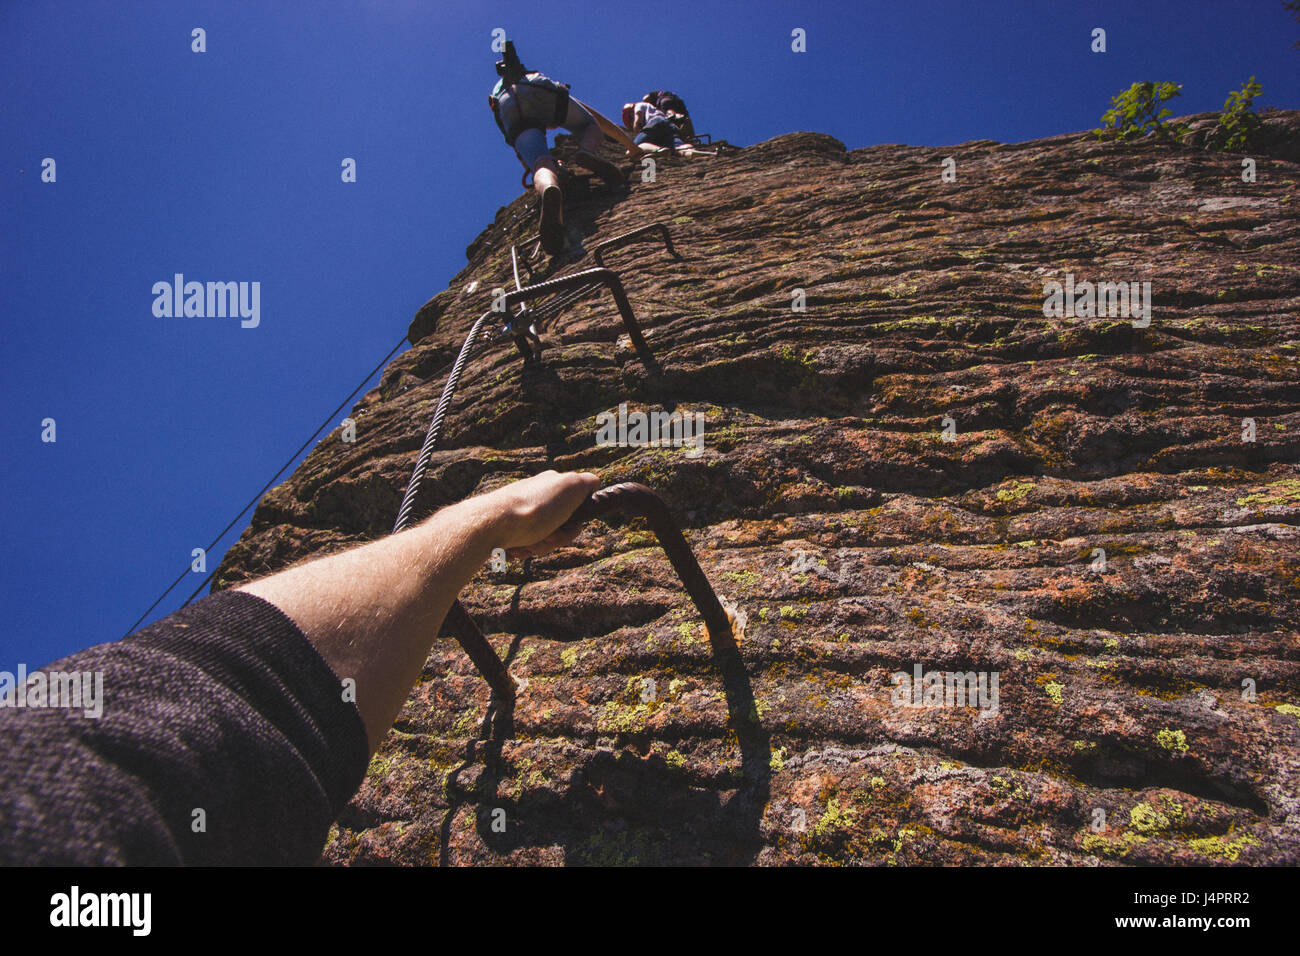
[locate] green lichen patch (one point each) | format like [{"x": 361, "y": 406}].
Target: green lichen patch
[
  {"x": 1172, "y": 740},
  {"x": 835, "y": 818},
  {"x": 1016, "y": 491},
  {"x": 1159, "y": 815},
  {"x": 1291, "y": 710},
  {"x": 1284, "y": 492},
  {"x": 1114, "y": 847},
  {"x": 745, "y": 580},
  {"x": 1222, "y": 847},
  {"x": 616, "y": 718}
]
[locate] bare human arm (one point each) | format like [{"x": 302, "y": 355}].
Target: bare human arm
[{"x": 373, "y": 612}]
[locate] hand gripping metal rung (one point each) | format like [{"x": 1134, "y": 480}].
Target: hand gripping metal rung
[
  {"x": 636, "y": 499},
  {"x": 630, "y": 498}
]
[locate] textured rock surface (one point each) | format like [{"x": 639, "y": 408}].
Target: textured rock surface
[{"x": 858, "y": 542}]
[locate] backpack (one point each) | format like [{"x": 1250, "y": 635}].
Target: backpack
[{"x": 667, "y": 101}]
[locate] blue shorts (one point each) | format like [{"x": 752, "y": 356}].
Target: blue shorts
[
  {"x": 659, "y": 133},
  {"x": 531, "y": 145}
]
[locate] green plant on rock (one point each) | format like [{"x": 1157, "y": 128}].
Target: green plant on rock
[
  {"x": 1238, "y": 124},
  {"x": 1139, "y": 111}
]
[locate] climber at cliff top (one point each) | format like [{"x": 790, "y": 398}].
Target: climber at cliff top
[
  {"x": 237, "y": 729},
  {"x": 526, "y": 104},
  {"x": 660, "y": 121},
  {"x": 654, "y": 129},
  {"x": 674, "y": 106}
]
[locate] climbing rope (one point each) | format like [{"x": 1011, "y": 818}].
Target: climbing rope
[
  {"x": 552, "y": 306},
  {"x": 566, "y": 291},
  {"x": 558, "y": 303}
]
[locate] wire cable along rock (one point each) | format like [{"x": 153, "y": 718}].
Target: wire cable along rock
[
  {"x": 626, "y": 496},
  {"x": 458, "y": 620}
]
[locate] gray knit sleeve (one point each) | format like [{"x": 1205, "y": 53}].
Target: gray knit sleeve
[{"x": 224, "y": 739}]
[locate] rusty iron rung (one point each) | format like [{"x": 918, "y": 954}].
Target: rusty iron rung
[
  {"x": 636, "y": 499},
  {"x": 480, "y": 652},
  {"x": 631, "y": 498},
  {"x": 604, "y": 277},
  {"x": 629, "y": 237}
]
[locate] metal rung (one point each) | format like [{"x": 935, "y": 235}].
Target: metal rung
[
  {"x": 633, "y": 499},
  {"x": 516, "y": 257},
  {"x": 603, "y": 277},
  {"x": 629, "y": 237}
]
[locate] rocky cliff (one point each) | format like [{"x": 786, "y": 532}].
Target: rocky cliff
[{"x": 918, "y": 473}]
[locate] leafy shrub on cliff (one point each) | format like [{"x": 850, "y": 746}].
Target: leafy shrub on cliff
[
  {"x": 1238, "y": 123},
  {"x": 1139, "y": 111}
]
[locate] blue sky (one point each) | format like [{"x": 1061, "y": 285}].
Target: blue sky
[{"x": 225, "y": 166}]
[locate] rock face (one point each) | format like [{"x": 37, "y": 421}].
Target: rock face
[{"x": 919, "y": 470}]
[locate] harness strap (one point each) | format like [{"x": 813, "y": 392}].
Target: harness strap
[
  {"x": 561, "y": 113},
  {"x": 561, "y": 105}
]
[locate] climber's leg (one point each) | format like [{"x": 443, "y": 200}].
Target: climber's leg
[
  {"x": 583, "y": 126},
  {"x": 551, "y": 226},
  {"x": 546, "y": 174},
  {"x": 530, "y": 145}
]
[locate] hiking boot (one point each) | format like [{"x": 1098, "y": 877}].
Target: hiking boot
[
  {"x": 552, "y": 225},
  {"x": 611, "y": 175}
]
